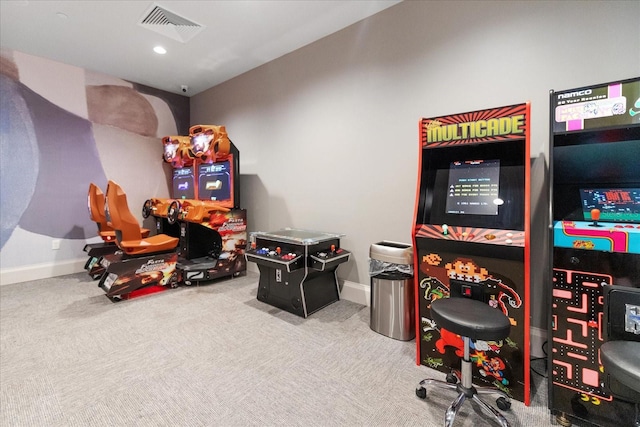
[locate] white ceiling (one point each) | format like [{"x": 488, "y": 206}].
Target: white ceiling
[{"x": 239, "y": 35}]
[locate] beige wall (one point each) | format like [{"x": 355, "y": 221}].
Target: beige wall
[{"x": 328, "y": 134}]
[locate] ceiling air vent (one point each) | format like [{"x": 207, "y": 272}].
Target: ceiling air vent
[{"x": 169, "y": 24}]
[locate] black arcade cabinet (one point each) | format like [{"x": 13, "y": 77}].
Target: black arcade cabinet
[
  {"x": 471, "y": 238},
  {"x": 595, "y": 164},
  {"x": 297, "y": 268}
]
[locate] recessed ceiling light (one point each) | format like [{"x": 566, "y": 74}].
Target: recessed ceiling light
[
  {"x": 62, "y": 15},
  {"x": 160, "y": 50}
]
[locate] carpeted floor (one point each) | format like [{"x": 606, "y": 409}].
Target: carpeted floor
[{"x": 211, "y": 355}]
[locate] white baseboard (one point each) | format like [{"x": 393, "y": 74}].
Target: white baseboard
[
  {"x": 9, "y": 276},
  {"x": 356, "y": 292}
]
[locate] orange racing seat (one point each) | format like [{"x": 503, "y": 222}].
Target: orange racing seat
[
  {"x": 128, "y": 232},
  {"x": 96, "y": 213}
]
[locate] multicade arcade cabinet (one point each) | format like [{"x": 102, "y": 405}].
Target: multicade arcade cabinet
[
  {"x": 471, "y": 238},
  {"x": 297, "y": 268},
  {"x": 595, "y": 164}
]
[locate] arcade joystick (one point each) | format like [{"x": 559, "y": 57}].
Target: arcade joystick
[
  {"x": 278, "y": 250},
  {"x": 253, "y": 245},
  {"x": 288, "y": 257},
  {"x": 333, "y": 248},
  {"x": 595, "y": 216},
  {"x": 445, "y": 229}
]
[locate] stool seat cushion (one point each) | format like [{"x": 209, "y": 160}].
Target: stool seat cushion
[
  {"x": 621, "y": 359},
  {"x": 470, "y": 318}
]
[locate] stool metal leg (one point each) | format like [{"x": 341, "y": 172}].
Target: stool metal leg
[
  {"x": 466, "y": 372},
  {"x": 466, "y": 390},
  {"x": 493, "y": 390},
  {"x": 496, "y": 414},
  {"x": 437, "y": 383},
  {"x": 451, "y": 413}
]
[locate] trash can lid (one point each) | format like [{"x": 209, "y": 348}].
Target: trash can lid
[{"x": 394, "y": 252}]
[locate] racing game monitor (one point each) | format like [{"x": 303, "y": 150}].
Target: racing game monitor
[
  {"x": 184, "y": 183},
  {"x": 215, "y": 182}
]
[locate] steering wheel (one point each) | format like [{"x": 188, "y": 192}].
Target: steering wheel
[
  {"x": 172, "y": 213},
  {"x": 147, "y": 208}
]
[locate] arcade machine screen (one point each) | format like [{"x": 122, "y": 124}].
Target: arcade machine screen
[
  {"x": 473, "y": 187},
  {"x": 481, "y": 186},
  {"x": 589, "y": 170},
  {"x": 215, "y": 181},
  {"x": 615, "y": 204},
  {"x": 183, "y": 183}
]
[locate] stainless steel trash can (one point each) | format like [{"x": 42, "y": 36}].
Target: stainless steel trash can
[{"x": 392, "y": 290}]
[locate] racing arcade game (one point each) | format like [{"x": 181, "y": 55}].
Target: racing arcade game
[
  {"x": 95, "y": 203},
  {"x": 205, "y": 204},
  {"x": 142, "y": 265},
  {"x": 176, "y": 152},
  {"x": 208, "y": 225},
  {"x": 595, "y": 150},
  {"x": 471, "y": 238},
  {"x": 108, "y": 246}
]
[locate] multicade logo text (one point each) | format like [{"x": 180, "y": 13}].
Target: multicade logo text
[{"x": 436, "y": 132}]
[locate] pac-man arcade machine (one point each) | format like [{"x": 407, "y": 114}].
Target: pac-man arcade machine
[
  {"x": 471, "y": 237},
  {"x": 595, "y": 164}
]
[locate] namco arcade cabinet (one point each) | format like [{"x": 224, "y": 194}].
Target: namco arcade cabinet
[
  {"x": 471, "y": 238},
  {"x": 595, "y": 183}
]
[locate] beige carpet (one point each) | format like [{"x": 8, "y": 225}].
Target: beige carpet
[{"x": 208, "y": 356}]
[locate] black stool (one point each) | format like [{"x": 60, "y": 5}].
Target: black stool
[
  {"x": 620, "y": 353},
  {"x": 470, "y": 319},
  {"x": 621, "y": 361}
]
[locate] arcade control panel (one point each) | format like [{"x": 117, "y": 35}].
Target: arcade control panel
[
  {"x": 600, "y": 236},
  {"x": 274, "y": 256},
  {"x": 293, "y": 257},
  {"x": 322, "y": 259}
]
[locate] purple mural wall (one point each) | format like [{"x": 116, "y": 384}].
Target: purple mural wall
[{"x": 61, "y": 128}]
